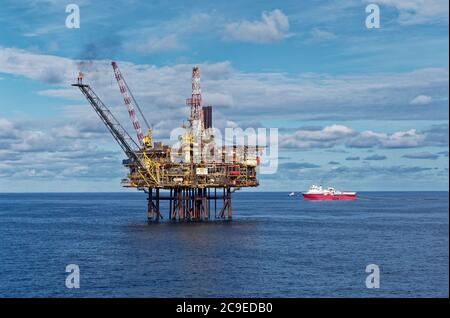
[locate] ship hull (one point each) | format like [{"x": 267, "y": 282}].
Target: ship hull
[{"x": 329, "y": 197}]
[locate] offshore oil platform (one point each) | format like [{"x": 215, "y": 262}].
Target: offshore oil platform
[{"x": 198, "y": 176}]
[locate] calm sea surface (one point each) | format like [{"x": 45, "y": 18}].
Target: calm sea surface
[{"x": 276, "y": 246}]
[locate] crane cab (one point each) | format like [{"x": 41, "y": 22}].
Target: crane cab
[{"x": 147, "y": 140}]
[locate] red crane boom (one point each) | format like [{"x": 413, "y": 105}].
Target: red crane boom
[{"x": 129, "y": 101}]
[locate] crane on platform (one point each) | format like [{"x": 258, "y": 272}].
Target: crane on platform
[
  {"x": 144, "y": 167},
  {"x": 131, "y": 103}
]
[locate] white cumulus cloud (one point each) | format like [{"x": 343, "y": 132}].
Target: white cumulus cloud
[
  {"x": 400, "y": 139},
  {"x": 418, "y": 11},
  {"x": 421, "y": 100},
  {"x": 321, "y": 35},
  {"x": 326, "y": 137},
  {"x": 272, "y": 28}
]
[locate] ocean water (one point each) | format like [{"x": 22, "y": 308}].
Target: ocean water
[{"x": 276, "y": 246}]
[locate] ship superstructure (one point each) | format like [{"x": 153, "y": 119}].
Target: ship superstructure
[{"x": 317, "y": 192}]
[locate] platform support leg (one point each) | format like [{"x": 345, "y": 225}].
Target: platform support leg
[
  {"x": 150, "y": 205},
  {"x": 230, "y": 212},
  {"x": 157, "y": 211}
]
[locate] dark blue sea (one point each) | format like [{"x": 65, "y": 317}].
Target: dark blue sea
[{"x": 276, "y": 246}]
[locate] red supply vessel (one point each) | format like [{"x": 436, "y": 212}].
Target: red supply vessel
[{"x": 318, "y": 193}]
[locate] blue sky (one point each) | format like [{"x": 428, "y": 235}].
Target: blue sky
[{"x": 356, "y": 108}]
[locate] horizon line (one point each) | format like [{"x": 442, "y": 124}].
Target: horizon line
[{"x": 287, "y": 191}]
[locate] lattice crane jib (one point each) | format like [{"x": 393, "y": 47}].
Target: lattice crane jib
[
  {"x": 131, "y": 104},
  {"x": 128, "y": 145}
]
